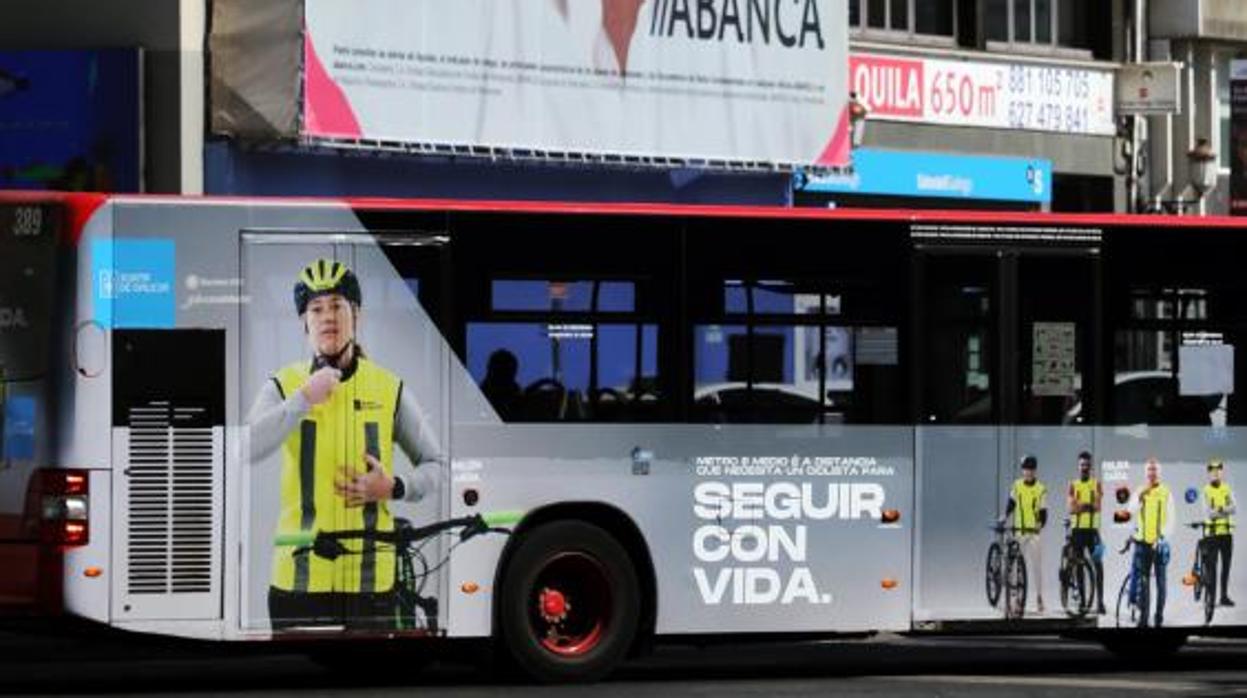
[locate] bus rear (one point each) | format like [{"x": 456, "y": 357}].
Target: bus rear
[{"x": 42, "y": 508}]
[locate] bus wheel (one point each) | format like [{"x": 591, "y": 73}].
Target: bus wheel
[{"x": 569, "y": 603}]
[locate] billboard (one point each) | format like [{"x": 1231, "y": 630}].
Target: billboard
[
  {"x": 1238, "y": 137},
  {"x": 737, "y": 81},
  {"x": 1012, "y": 95},
  {"x": 71, "y": 120}
]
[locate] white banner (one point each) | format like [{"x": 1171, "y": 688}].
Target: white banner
[
  {"x": 724, "y": 80},
  {"x": 1032, "y": 96}
]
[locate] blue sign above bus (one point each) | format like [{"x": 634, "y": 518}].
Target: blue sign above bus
[{"x": 903, "y": 173}]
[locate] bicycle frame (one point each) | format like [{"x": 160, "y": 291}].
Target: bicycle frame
[{"x": 409, "y": 584}]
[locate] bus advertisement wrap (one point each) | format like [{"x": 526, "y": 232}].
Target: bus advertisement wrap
[
  {"x": 755, "y": 80},
  {"x": 345, "y": 374},
  {"x": 481, "y": 422}
]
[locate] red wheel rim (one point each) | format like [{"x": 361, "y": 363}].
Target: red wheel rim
[{"x": 570, "y": 605}]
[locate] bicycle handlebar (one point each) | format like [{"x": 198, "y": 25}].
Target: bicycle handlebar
[
  {"x": 300, "y": 539},
  {"x": 403, "y": 533}
]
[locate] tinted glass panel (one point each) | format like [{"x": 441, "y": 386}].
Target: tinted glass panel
[
  {"x": 1022, "y": 21},
  {"x": 569, "y": 296},
  {"x": 1043, "y": 21},
  {"x": 544, "y": 371},
  {"x": 876, "y": 15},
  {"x": 996, "y": 20},
  {"x": 934, "y": 17},
  {"x": 27, "y": 266}
]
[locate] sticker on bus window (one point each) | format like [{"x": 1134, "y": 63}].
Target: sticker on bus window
[{"x": 133, "y": 282}]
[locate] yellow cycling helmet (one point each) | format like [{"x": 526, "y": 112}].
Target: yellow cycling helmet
[
  {"x": 1216, "y": 464},
  {"x": 324, "y": 277}
]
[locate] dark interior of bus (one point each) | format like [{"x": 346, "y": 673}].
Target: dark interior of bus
[{"x": 588, "y": 318}]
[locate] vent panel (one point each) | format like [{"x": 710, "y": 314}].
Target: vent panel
[{"x": 171, "y": 500}]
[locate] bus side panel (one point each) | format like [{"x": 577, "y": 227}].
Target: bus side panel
[
  {"x": 1183, "y": 453},
  {"x": 750, "y": 528}
]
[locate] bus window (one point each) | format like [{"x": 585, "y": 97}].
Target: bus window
[
  {"x": 1056, "y": 318},
  {"x": 1153, "y": 384},
  {"x": 782, "y": 355},
  {"x": 565, "y": 350},
  {"x": 960, "y": 321},
  {"x": 1174, "y": 361}
]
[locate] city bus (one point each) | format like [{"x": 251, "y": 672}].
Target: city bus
[{"x": 574, "y": 430}]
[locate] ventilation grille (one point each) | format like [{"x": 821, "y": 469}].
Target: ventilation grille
[{"x": 170, "y": 500}]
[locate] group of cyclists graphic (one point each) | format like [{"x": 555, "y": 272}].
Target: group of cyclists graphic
[{"x": 1149, "y": 511}]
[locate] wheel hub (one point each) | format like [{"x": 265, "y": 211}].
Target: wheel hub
[{"x": 553, "y": 605}]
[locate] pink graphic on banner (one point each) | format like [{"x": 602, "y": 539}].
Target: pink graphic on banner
[
  {"x": 619, "y": 18},
  {"x": 836, "y": 154},
  {"x": 326, "y": 110}
]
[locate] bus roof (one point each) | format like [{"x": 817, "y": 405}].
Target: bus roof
[{"x": 84, "y": 204}]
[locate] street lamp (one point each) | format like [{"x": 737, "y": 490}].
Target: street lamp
[{"x": 1201, "y": 167}]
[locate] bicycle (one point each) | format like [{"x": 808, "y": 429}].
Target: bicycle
[
  {"x": 409, "y": 583},
  {"x": 1077, "y": 577},
  {"x": 1203, "y": 575},
  {"x": 1136, "y": 591},
  {"x": 1006, "y": 569}
]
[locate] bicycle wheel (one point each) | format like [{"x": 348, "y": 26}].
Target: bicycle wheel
[
  {"x": 1208, "y": 580},
  {"x": 1077, "y": 585},
  {"x": 1125, "y": 603},
  {"x": 1015, "y": 584},
  {"x": 995, "y": 573}
]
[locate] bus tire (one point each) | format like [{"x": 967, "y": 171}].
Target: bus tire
[{"x": 569, "y": 603}]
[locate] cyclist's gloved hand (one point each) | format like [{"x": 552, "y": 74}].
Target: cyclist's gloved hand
[
  {"x": 360, "y": 488},
  {"x": 321, "y": 385}
]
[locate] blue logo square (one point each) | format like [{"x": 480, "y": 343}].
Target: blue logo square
[{"x": 133, "y": 282}]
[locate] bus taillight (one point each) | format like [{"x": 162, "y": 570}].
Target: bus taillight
[{"x": 64, "y": 508}]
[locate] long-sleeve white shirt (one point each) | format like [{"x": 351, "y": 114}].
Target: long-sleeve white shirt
[{"x": 272, "y": 418}]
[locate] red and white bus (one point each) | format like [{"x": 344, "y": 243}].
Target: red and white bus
[{"x": 578, "y": 428}]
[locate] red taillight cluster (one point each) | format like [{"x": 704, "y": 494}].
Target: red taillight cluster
[{"x": 65, "y": 510}]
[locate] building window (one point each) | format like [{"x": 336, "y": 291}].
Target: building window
[
  {"x": 904, "y": 18},
  {"x": 1043, "y": 24}
]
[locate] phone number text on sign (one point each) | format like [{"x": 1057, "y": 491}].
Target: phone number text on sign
[{"x": 994, "y": 95}]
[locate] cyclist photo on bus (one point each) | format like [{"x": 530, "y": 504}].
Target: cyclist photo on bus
[
  {"x": 1085, "y": 497},
  {"x": 1154, "y": 514},
  {"x": 1220, "y": 507},
  {"x": 335, "y": 416},
  {"x": 1028, "y": 507}
]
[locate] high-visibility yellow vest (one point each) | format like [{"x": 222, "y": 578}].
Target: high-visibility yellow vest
[
  {"x": 358, "y": 416},
  {"x": 1218, "y": 498},
  {"x": 1153, "y": 514},
  {"x": 1028, "y": 500},
  {"x": 1084, "y": 494}
]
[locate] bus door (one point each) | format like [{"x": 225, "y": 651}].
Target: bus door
[
  {"x": 318, "y": 472},
  {"x": 1004, "y": 367}
]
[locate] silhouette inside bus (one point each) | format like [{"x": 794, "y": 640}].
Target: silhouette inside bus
[{"x": 500, "y": 386}]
